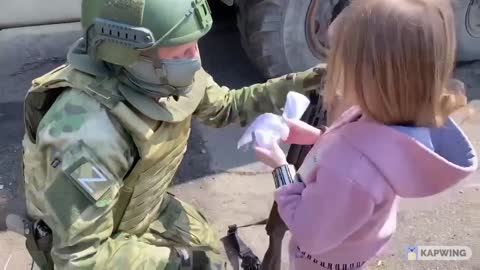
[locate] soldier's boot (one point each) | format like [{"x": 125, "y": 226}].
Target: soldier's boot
[{"x": 188, "y": 259}]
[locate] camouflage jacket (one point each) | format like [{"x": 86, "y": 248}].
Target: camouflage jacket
[{"x": 96, "y": 172}]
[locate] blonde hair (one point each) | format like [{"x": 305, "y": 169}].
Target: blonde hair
[{"x": 394, "y": 59}]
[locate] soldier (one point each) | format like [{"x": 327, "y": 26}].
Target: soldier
[{"x": 106, "y": 132}]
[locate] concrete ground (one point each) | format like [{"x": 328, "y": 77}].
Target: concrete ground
[
  {"x": 229, "y": 185},
  {"x": 33, "y": 12}
]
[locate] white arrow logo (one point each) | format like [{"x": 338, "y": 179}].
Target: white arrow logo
[{"x": 99, "y": 178}]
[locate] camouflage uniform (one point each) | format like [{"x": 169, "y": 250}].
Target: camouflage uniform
[{"x": 97, "y": 167}]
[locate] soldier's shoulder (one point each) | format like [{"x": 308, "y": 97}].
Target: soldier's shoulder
[
  {"x": 85, "y": 142},
  {"x": 75, "y": 116},
  {"x": 70, "y": 112}
]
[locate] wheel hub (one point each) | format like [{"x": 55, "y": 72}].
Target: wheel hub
[
  {"x": 320, "y": 15},
  {"x": 472, "y": 18}
]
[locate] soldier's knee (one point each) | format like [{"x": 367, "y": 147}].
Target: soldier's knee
[
  {"x": 186, "y": 225},
  {"x": 129, "y": 252}
]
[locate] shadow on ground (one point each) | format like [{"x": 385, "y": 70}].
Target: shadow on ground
[{"x": 11, "y": 189}]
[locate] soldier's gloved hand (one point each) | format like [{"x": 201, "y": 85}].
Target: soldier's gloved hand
[{"x": 311, "y": 79}]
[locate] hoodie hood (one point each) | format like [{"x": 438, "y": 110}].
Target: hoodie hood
[{"x": 412, "y": 168}]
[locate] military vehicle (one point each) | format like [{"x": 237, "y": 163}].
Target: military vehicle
[{"x": 279, "y": 36}]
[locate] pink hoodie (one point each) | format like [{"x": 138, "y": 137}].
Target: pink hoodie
[{"x": 345, "y": 210}]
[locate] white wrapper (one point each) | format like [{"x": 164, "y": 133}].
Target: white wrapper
[{"x": 269, "y": 128}]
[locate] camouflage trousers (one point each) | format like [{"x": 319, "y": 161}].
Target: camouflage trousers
[{"x": 181, "y": 238}]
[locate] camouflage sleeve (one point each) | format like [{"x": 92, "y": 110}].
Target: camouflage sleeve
[
  {"x": 73, "y": 179},
  {"x": 222, "y": 106}
]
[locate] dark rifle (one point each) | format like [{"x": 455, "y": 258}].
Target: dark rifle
[{"x": 315, "y": 115}]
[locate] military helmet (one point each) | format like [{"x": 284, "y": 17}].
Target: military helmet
[{"x": 117, "y": 31}]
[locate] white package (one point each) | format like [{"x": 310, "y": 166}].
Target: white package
[{"x": 269, "y": 127}]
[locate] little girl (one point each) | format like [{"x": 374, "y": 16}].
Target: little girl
[{"x": 392, "y": 60}]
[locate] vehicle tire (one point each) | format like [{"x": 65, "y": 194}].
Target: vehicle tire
[
  {"x": 467, "y": 18},
  {"x": 274, "y": 34}
]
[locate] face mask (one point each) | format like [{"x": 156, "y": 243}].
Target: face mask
[
  {"x": 172, "y": 77},
  {"x": 180, "y": 73}
]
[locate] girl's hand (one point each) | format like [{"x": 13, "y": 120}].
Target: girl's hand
[
  {"x": 274, "y": 157},
  {"x": 302, "y": 133}
]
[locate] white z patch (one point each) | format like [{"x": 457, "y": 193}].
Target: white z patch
[
  {"x": 91, "y": 180},
  {"x": 98, "y": 177}
]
